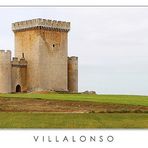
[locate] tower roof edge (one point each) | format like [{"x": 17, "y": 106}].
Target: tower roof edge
[{"x": 42, "y": 24}]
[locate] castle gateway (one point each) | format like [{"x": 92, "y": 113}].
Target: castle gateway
[{"x": 41, "y": 61}]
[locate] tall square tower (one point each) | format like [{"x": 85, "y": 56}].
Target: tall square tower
[{"x": 45, "y": 47}]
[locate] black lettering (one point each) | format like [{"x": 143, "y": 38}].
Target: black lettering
[
  {"x": 110, "y": 138},
  {"x": 73, "y": 139},
  {"x": 36, "y": 138},
  {"x": 65, "y": 139},
  {"x": 101, "y": 139},
  {"x": 92, "y": 138},
  {"x": 82, "y": 138},
  {"x": 57, "y": 139},
  {"x": 49, "y": 140}
]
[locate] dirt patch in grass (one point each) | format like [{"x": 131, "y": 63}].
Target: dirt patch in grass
[{"x": 40, "y": 105}]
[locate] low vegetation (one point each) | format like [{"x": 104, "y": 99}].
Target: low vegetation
[
  {"x": 73, "y": 111},
  {"x": 66, "y": 106},
  {"x": 116, "y": 99},
  {"x": 68, "y": 120}
]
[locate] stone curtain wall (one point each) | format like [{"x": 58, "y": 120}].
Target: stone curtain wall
[{"x": 5, "y": 71}]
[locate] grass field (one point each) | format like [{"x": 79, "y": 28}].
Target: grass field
[
  {"x": 12, "y": 113},
  {"x": 116, "y": 99},
  {"x": 51, "y": 120}
]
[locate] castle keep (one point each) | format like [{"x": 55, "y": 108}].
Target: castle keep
[{"x": 41, "y": 61}]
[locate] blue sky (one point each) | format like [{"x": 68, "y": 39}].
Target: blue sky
[{"x": 111, "y": 43}]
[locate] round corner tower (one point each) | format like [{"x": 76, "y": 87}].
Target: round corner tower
[
  {"x": 73, "y": 74},
  {"x": 5, "y": 71}
]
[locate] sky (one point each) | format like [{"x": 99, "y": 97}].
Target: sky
[{"x": 111, "y": 43}]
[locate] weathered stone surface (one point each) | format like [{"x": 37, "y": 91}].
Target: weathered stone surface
[
  {"x": 73, "y": 74},
  {"x": 19, "y": 74},
  {"x": 5, "y": 71},
  {"x": 41, "y": 24},
  {"x": 89, "y": 92},
  {"x": 46, "y": 54},
  {"x": 43, "y": 65}
]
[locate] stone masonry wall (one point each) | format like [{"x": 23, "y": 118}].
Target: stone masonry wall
[
  {"x": 19, "y": 74},
  {"x": 73, "y": 74},
  {"x": 5, "y": 71},
  {"x": 44, "y": 44}
]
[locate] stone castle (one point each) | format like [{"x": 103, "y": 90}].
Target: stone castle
[{"x": 41, "y": 61}]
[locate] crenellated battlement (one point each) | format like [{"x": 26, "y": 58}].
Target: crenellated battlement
[
  {"x": 73, "y": 58},
  {"x": 5, "y": 52},
  {"x": 5, "y": 56},
  {"x": 16, "y": 62},
  {"x": 41, "y": 24}
]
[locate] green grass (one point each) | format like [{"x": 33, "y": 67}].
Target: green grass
[
  {"x": 115, "y": 99},
  {"x": 79, "y": 120},
  {"x": 51, "y": 120}
]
